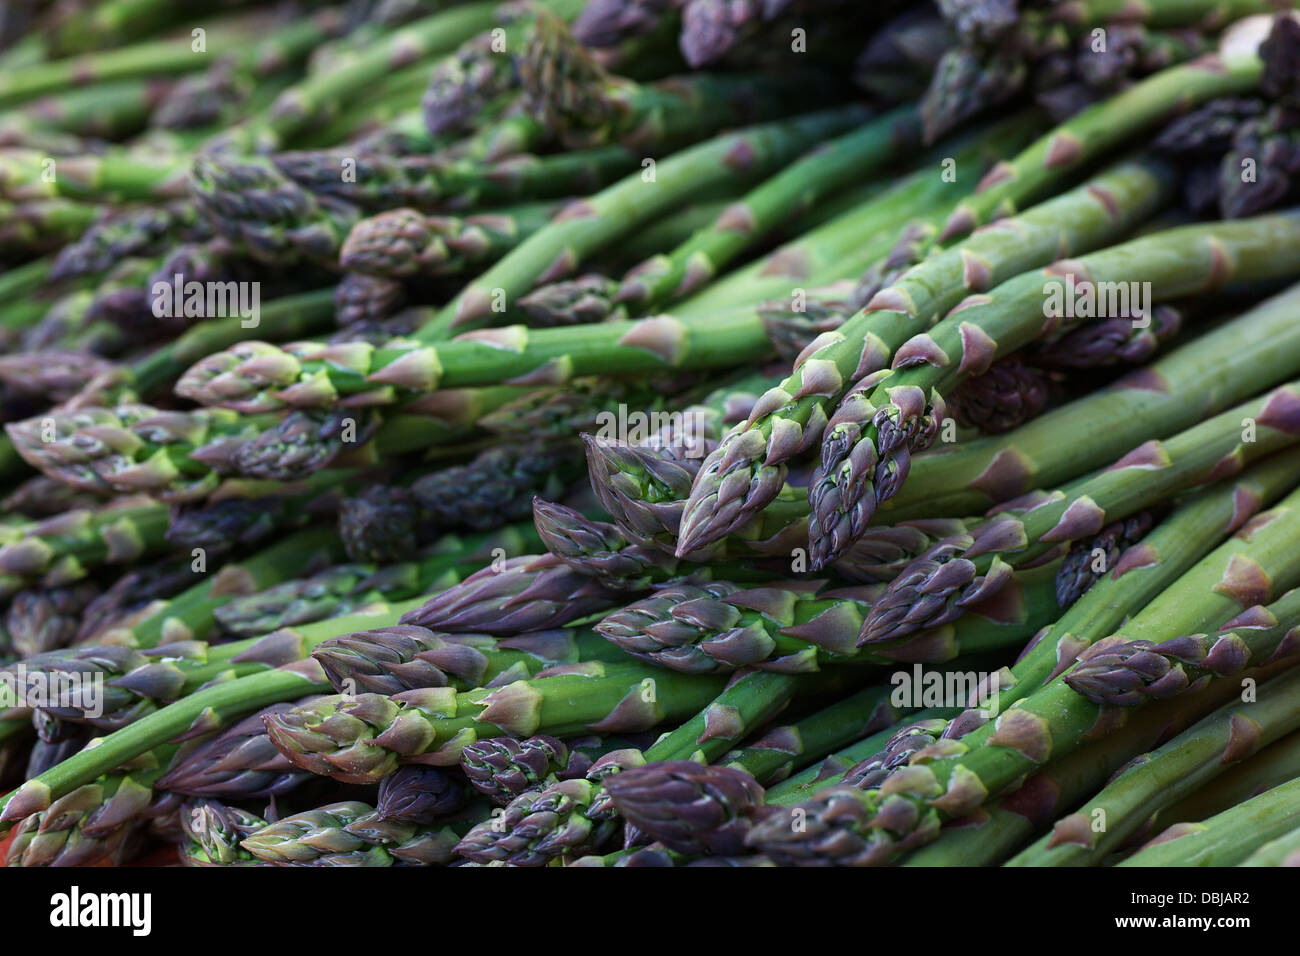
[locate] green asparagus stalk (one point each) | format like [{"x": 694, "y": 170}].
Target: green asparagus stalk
[
  {"x": 867, "y": 229},
  {"x": 353, "y": 834},
  {"x": 183, "y": 456},
  {"x": 62, "y": 549},
  {"x": 1002, "y": 827},
  {"x": 394, "y": 659},
  {"x": 1228, "y": 838},
  {"x": 1047, "y": 725},
  {"x": 107, "y": 25},
  {"x": 362, "y": 739},
  {"x": 1080, "y": 220},
  {"x": 1274, "y": 764},
  {"x": 696, "y": 262},
  {"x": 283, "y": 318},
  {"x": 1143, "y": 571},
  {"x": 1121, "y": 674},
  {"x": 997, "y": 60},
  {"x": 190, "y": 615},
  {"x": 404, "y": 243},
  {"x": 42, "y": 225},
  {"x": 99, "y": 821},
  {"x": 695, "y": 809},
  {"x": 773, "y": 757},
  {"x": 1101, "y": 128},
  {"x": 900, "y": 206},
  {"x": 169, "y": 57},
  {"x": 616, "y": 211},
  {"x": 1224, "y": 365},
  {"x": 113, "y": 175},
  {"x": 719, "y": 627},
  {"x": 577, "y": 232},
  {"x": 1155, "y": 780},
  {"x": 315, "y": 98},
  {"x": 1281, "y": 851},
  {"x": 569, "y": 97},
  {"x": 867, "y": 444},
  {"x": 968, "y": 568},
  {"x": 208, "y": 709}
]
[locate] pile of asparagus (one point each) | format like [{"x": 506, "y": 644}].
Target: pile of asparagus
[{"x": 650, "y": 432}]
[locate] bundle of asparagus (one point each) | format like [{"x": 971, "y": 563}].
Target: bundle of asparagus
[{"x": 540, "y": 411}]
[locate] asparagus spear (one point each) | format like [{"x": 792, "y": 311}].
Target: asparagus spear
[
  {"x": 687, "y": 807},
  {"x": 183, "y": 456},
  {"x": 353, "y": 834},
  {"x": 112, "y": 175},
  {"x": 98, "y": 821},
  {"x": 391, "y": 660},
  {"x": 601, "y": 551},
  {"x": 932, "y": 590},
  {"x": 899, "y": 205},
  {"x": 42, "y": 225},
  {"x": 213, "y": 832},
  {"x": 844, "y": 245},
  {"x": 525, "y": 593},
  {"x": 995, "y": 61},
  {"x": 1139, "y": 574},
  {"x": 800, "y": 406},
  {"x": 46, "y": 619},
  {"x": 1001, "y": 828},
  {"x": 1103, "y": 127},
  {"x": 128, "y": 234},
  {"x": 1157, "y": 779},
  {"x": 1280, "y": 851},
  {"x": 695, "y": 809},
  {"x": 696, "y": 262},
  {"x": 61, "y": 549},
  {"x": 71, "y": 29},
  {"x": 1122, "y": 674},
  {"x": 1274, "y": 764},
  {"x": 404, "y": 243},
  {"x": 41, "y": 497},
  {"x": 867, "y": 445},
  {"x": 419, "y": 794},
  {"x": 363, "y": 738},
  {"x": 170, "y": 56},
  {"x": 874, "y": 826},
  {"x": 1228, "y": 838},
  {"x": 571, "y": 98},
  {"x": 240, "y": 762},
  {"x": 284, "y": 317},
  {"x": 502, "y": 768},
  {"x": 316, "y": 97},
  {"x": 1224, "y": 365},
  {"x": 792, "y": 629},
  {"x": 190, "y": 615}
]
